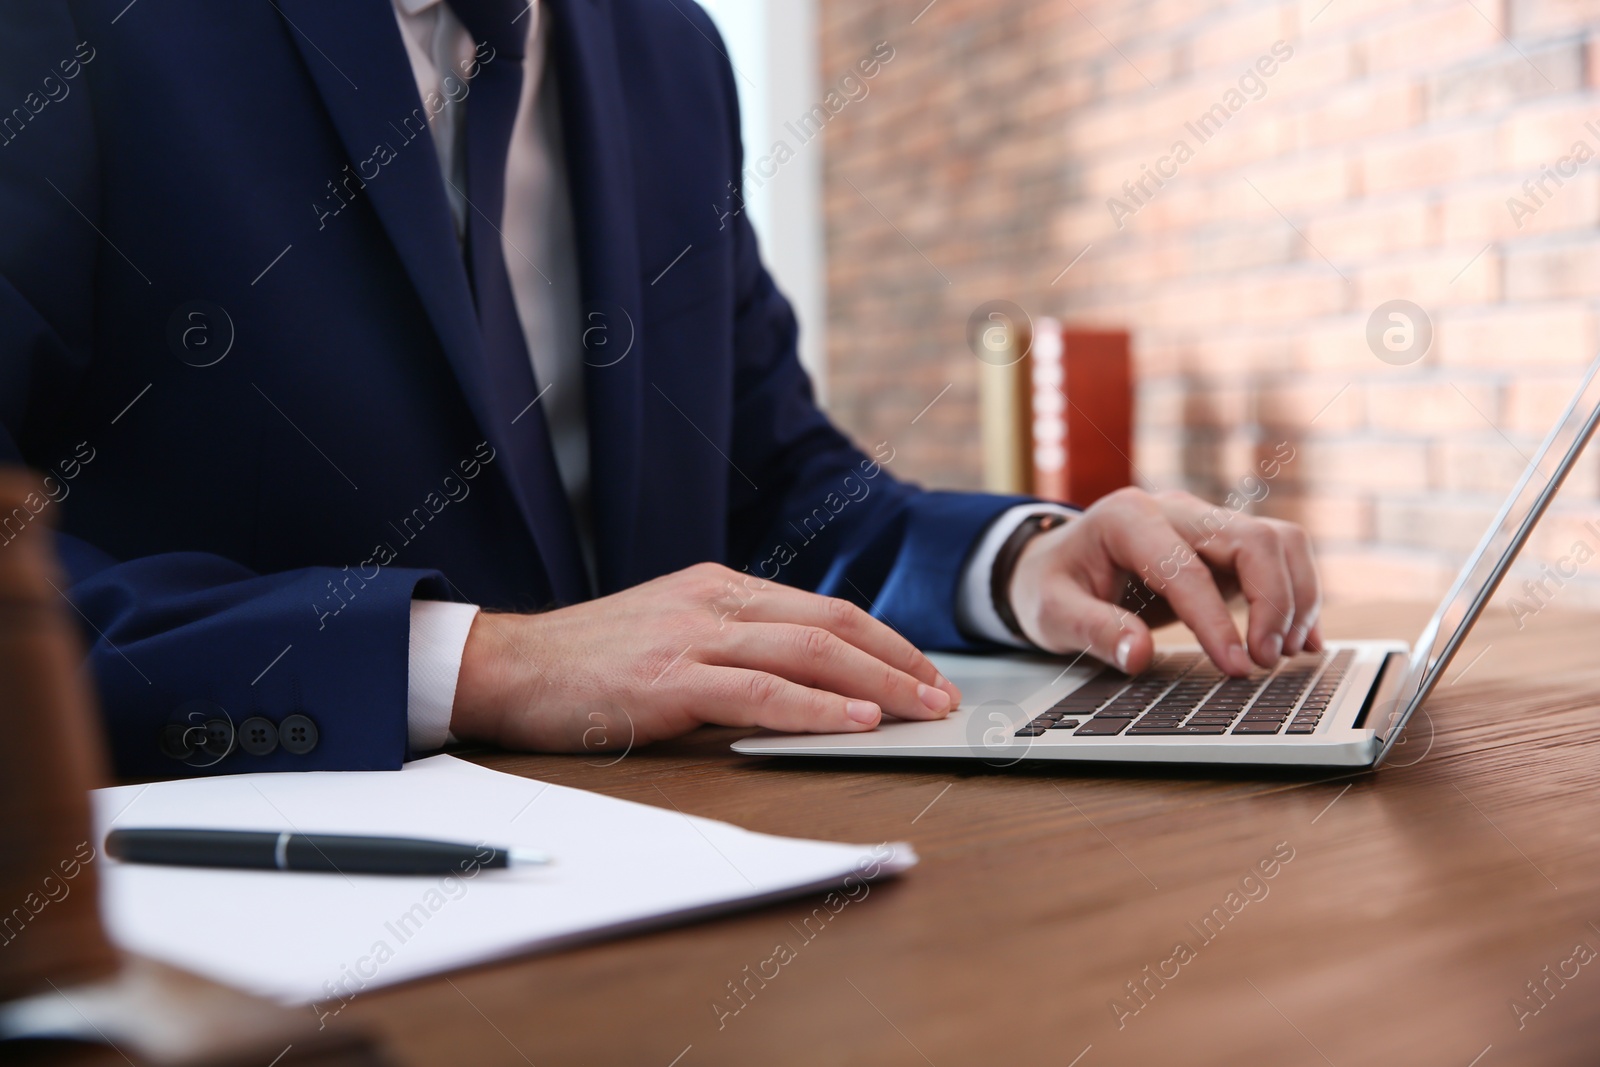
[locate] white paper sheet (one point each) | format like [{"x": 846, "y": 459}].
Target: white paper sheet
[{"x": 324, "y": 938}]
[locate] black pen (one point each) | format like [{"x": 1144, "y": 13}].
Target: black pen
[{"x": 270, "y": 850}]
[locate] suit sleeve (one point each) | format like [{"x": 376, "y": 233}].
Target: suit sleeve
[
  {"x": 185, "y": 647},
  {"x": 829, "y": 516}
]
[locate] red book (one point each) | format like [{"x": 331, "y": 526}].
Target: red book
[{"x": 1082, "y": 405}]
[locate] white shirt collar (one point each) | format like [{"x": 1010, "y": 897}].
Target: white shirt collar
[{"x": 417, "y": 7}]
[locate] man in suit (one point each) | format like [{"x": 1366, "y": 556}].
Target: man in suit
[{"x": 393, "y": 374}]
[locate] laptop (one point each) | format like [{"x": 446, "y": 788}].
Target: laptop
[{"x": 1344, "y": 706}]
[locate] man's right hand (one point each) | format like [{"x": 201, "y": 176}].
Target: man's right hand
[{"x": 702, "y": 645}]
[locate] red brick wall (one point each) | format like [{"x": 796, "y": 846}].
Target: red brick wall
[{"x": 1375, "y": 165}]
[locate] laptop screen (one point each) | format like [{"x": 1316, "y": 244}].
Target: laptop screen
[{"x": 1545, "y": 470}]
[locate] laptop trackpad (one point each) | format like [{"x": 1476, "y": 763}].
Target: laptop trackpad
[{"x": 1012, "y": 677}]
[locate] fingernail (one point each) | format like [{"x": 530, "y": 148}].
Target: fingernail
[
  {"x": 862, "y": 711},
  {"x": 1274, "y": 646},
  {"x": 1297, "y": 641},
  {"x": 933, "y": 699},
  {"x": 940, "y": 680},
  {"x": 1124, "y": 652},
  {"x": 1241, "y": 659}
]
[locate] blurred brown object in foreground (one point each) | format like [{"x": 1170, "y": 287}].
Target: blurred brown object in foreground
[
  {"x": 49, "y": 920},
  {"x": 66, "y": 994}
]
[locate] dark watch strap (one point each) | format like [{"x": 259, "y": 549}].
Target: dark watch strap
[{"x": 1005, "y": 564}]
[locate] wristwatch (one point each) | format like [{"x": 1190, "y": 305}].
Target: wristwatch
[{"x": 1005, "y": 565}]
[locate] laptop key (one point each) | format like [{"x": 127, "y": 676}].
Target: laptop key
[
  {"x": 1258, "y": 728},
  {"x": 1098, "y": 727},
  {"x": 1175, "y": 730},
  {"x": 1065, "y": 724}
]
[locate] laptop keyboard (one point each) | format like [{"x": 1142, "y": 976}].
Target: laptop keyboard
[{"x": 1185, "y": 694}]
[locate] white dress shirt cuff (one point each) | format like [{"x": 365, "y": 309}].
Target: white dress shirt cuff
[
  {"x": 975, "y": 614},
  {"x": 438, "y": 638}
]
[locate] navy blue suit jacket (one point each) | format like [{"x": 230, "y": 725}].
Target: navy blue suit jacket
[{"x": 246, "y": 533}]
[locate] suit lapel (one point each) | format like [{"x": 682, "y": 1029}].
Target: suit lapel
[
  {"x": 358, "y": 60},
  {"x": 600, "y": 171}
]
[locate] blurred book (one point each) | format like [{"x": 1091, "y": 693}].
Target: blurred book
[
  {"x": 1081, "y": 407},
  {"x": 1056, "y": 410}
]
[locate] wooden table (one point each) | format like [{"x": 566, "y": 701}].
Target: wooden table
[{"x": 1418, "y": 904}]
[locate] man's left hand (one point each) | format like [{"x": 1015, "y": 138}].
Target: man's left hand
[{"x": 1135, "y": 560}]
